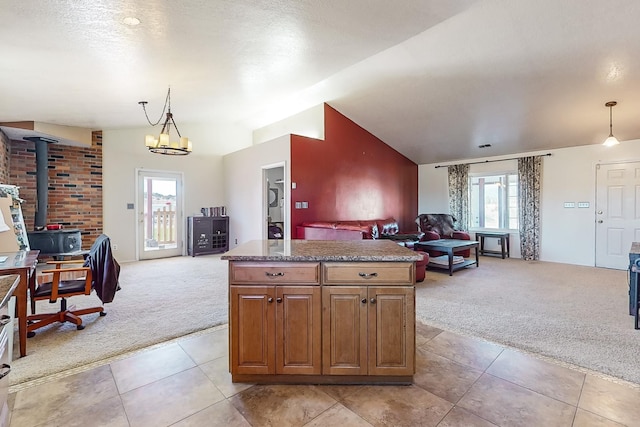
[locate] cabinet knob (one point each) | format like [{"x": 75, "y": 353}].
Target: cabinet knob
[
  {"x": 278, "y": 299},
  {"x": 373, "y": 300},
  {"x": 364, "y": 300},
  {"x": 269, "y": 299},
  {"x": 368, "y": 275}
]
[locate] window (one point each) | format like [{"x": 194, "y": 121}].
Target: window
[{"x": 494, "y": 201}]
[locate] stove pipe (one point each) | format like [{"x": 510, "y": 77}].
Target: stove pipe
[{"x": 42, "y": 182}]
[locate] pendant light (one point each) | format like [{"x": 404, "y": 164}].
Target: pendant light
[
  {"x": 162, "y": 144},
  {"x": 611, "y": 140}
]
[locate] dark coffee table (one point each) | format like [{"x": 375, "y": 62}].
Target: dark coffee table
[{"x": 450, "y": 246}]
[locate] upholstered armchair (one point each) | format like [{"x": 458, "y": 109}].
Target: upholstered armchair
[{"x": 441, "y": 226}]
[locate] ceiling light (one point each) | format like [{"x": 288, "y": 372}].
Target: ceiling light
[
  {"x": 611, "y": 140},
  {"x": 163, "y": 144},
  {"x": 131, "y": 21}
]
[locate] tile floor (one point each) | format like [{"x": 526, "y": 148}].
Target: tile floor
[{"x": 460, "y": 381}]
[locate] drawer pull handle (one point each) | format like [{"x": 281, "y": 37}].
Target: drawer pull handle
[
  {"x": 5, "y": 319},
  {"x": 7, "y": 367},
  {"x": 367, "y": 275},
  {"x": 280, "y": 274}
]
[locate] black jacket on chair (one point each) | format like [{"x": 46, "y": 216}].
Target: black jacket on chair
[{"x": 104, "y": 267}]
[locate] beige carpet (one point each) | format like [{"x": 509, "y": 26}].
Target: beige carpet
[
  {"x": 575, "y": 314},
  {"x": 159, "y": 300},
  {"x": 571, "y": 313}
]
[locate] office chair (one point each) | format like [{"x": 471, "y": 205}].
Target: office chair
[{"x": 101, "y": 272}]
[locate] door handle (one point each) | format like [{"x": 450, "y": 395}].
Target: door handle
[
  {"x": 280, "y": 274},
  {"x": 600, "y": 221}
]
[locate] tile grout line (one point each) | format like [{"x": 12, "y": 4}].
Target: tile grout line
[{"x": 39, "y": 381}]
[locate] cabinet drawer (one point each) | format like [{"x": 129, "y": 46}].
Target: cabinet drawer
[
  {"x": 360, "y": 273},
  {"x": 274, "y": 272}
]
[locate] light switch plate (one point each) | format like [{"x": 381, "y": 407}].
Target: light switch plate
[
  {"x": 569, "y": 204},
  {"x": 298, "y": 205},
  {"x": 583, "y": 204},
  {"x": 305, "y": 205}
]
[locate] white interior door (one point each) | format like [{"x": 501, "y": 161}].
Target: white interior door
[
  {"x": 617, "y": 213},
  {"x": 160, "y": 214}
]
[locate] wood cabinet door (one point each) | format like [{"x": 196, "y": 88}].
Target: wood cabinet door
[
  {"x": 391, "y": 330},
  {"x": 344, "y": 330},
  {"x": 252, "y": 318},
  {"x": 298, "y": 330}
]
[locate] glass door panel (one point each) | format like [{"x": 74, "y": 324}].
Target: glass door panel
[{"x": 160, "y": 214}]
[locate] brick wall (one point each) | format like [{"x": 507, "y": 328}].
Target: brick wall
[
  {"x": 5, "y": 147},
  {"x": 75, "y": 185}
]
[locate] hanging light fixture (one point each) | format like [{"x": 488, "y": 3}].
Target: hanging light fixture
[
  {"x": 611, "y": 140},
  {"x": 163, "y": 144}
]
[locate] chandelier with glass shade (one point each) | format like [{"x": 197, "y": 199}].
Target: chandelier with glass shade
[{"x": 163, "y": 144}]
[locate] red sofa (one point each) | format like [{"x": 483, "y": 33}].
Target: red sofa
[
  {"x": 441, "y": 226},
  {"x": 350, "y": 230}
]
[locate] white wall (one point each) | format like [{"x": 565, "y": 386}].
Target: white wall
[
  {"x": 124, "y": 151},
  {"x": 568, "y": 175},
  {"x": 308, "y": 123},
  {"x": 244, "y": 192}
]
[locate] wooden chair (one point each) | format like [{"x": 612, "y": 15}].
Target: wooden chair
[{"x": 62, "y": 287}]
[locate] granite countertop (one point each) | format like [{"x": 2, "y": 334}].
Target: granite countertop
[
  {"x": 321, "y": 250},
  {"x": 8, "y": 284}
]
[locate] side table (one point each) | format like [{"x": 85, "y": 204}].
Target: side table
[{"x": 504, "y": 243}]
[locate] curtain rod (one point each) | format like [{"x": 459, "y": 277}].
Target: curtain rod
[{"x": 489, "y": 161}]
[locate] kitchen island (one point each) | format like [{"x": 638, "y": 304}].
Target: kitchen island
[{"x": 322, "y": 312}]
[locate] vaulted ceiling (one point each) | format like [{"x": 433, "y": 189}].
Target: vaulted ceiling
[{"x": 434, "y": 79}]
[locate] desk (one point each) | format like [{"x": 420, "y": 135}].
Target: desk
[
  {"x": 22, "y": 263},
  {"x": 504, "y": 242}
]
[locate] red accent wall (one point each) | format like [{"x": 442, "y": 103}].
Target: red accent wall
[{"x": 351, "y": 175}]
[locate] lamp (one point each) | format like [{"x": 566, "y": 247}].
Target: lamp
[
  {"x": 611, "y": 140},
  {"x": 163, "y": 144}
]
